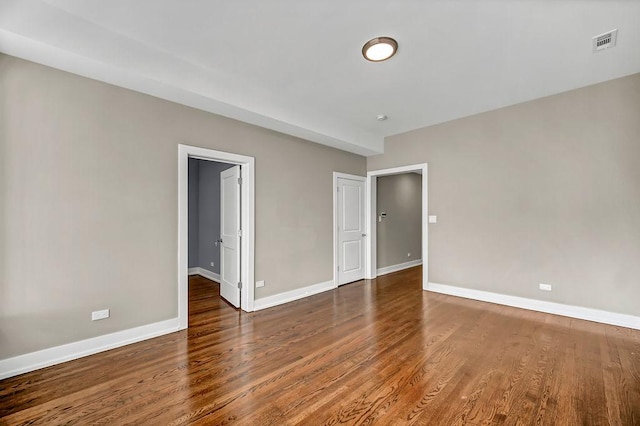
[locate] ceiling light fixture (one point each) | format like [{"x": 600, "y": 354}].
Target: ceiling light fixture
[
  {"x": 381, "y": 117},
  {"x": 379, "y": 49}
]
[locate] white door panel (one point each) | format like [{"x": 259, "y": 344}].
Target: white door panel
[
  {"x": 352, "y": 213},
  {"x": 351, "y": 230},
  {"x": 351, "y": 256},
  {"x": 230, "y": 235}
]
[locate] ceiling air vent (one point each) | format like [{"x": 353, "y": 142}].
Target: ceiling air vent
[{"x": 605, "y": 41}]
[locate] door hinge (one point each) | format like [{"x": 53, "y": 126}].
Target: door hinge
[
  {"x": 338, "y": 267},
  {"x": 239, "y": 181},
  {"x": 239, "y": 232},
  {"x": 239, "y": 285},
  {"x": 337, "y": 189}
]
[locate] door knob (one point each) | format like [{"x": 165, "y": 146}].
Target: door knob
[{"x": 364, "y": 235}]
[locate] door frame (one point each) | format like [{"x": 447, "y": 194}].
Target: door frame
[
  {"x": 336, "y": 176},
  {"x": 247, "y": 217},
  {"x": 371, "y": 216}
]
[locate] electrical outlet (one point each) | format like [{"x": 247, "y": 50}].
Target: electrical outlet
[
  {"x": 259, "y": 283},
  {"x": 213, "y": 264},
  {"x": 409, "y": 254},
  {"x": 545, "y": 287},
  {"x": 98, "y": 315},
  {"x": 433, "y": 219}
]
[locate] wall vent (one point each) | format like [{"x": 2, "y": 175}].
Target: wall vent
[{"x": 605, "y": 41}]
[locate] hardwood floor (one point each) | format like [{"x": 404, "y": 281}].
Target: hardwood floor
[{"x": 380, "y": 351}]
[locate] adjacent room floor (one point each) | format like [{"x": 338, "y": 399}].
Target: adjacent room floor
[{"x": 380, "y": 351}]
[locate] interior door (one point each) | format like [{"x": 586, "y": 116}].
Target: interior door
[
  {"x": 230, "y": 235},
  {"x": 351, "y": 230}
]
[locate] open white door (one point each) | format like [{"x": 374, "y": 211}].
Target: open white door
[
  {"x": 230, "y": 235},
  {"x": 351, "y": 230}
]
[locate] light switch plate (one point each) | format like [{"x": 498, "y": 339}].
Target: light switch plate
[{"x": 433, "y": 219}]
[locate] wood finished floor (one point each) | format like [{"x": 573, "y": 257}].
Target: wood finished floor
[{"x": 372, "y": 352}]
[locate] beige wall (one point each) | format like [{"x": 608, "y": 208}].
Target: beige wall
[
  {"x": 542, "y": 192},
  {"x": 88, "y": 181},
  {"x": 400, "y": 232}
]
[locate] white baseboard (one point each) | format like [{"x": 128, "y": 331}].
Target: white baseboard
[
  {"x": 44, "y": 358},
  {"x": 579, "y": 312},
  {"x": 398, "y": 267},
  {"x": 290, "y": 296},
  {"x": 205, "y": 273}
]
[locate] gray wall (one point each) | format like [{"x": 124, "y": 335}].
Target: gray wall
[
  {"x": 400, "y": 196},
  {"x": 543, "y": 192},
  {"x": 209, "y": 214},
  {"x": 88, "y": 178},
  {"x": 194, "y": 217}
]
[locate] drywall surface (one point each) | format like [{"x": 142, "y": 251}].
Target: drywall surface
[
  {"x": 209, "y": 214},
  {"x": 543, "y": 192},
  {"x": 194, "y": 197},
  {"x": 89, "y": 186},
  {"x": 204, "y": 213},
  {"x": 399, "y": 234}
]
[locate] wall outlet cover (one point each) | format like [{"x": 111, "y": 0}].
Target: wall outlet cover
[
  {"x": 259, "y": 284},
  {"x": 433, "y": 219},
  {"x": 98, "y": 315},
  {"x": 545, "y": 287}
]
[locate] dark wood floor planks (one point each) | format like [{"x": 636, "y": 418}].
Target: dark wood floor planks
[{"x": 371, "y": 352}]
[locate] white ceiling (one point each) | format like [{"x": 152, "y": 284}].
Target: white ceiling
[{"x": 295, "y": 66}]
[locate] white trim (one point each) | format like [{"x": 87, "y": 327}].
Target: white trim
[
  {"x": 35, "y": 360},
  {"x": 371, "y": 194},
  {"x": 398, "y": 267},
  {"x": 290, "y": 296},
  {"x": 247, "y": 219},
  {"x": 579, "y": 312},
  {"x": 371, "y": 247},
  {"x": 205, "y": 273},
  {"x": 336, "y": 176}
]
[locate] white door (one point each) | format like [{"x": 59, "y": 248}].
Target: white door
[
  {"x": 351, "y": 230},
  {"x": 230, "y": 235}
]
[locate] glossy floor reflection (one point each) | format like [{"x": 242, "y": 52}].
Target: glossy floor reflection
[{"x": 380, "y": 351}]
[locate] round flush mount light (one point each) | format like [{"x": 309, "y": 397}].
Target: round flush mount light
[
  {"x": 379, "y": 49},
  {"x": 381, "y": 117}
]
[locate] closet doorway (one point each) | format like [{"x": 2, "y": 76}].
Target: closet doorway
[{"x": 215, "y": 224}]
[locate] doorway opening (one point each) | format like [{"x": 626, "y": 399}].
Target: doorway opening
[
  {"x": 374, "y": 217},
  {"x": 204, "y": 217},
  {"x": 398, "y": 222},
  {"x": 227, "y": 257}
]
